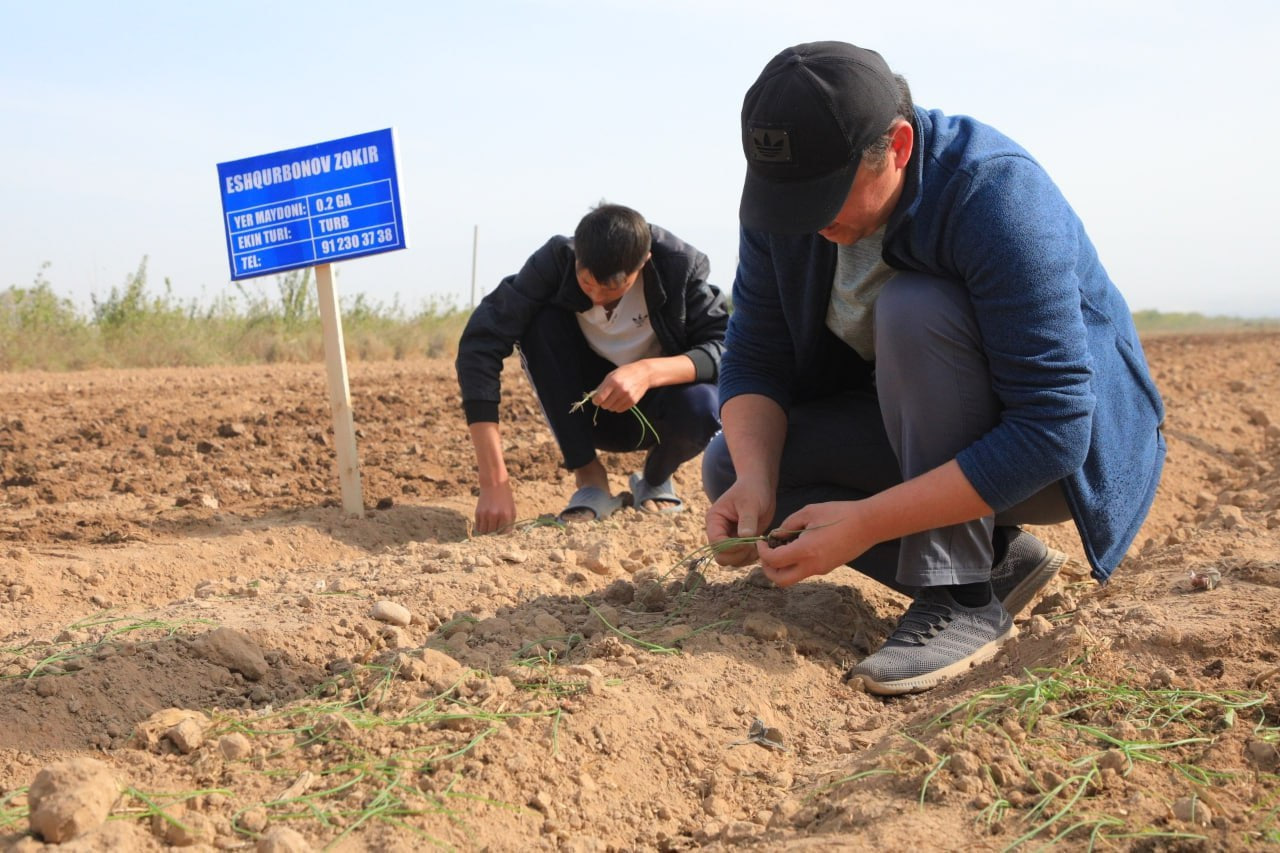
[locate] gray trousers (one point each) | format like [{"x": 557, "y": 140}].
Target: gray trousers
[{"x": 932, "y": 398}]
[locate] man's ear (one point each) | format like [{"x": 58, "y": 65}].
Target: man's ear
[{"x": 902, "y": 143}]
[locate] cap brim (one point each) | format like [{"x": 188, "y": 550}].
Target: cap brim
[{"x": 794, "y": 207}]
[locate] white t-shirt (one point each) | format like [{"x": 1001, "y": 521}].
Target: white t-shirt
[
  {"x": 624, "y": 334},
  {"x": 860, "y": 274}
]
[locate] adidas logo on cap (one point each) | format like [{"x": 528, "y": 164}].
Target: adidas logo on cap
[{"x": 772, "y": 146}]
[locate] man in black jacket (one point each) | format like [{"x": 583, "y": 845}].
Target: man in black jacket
[{"x": 585, "y": 329}]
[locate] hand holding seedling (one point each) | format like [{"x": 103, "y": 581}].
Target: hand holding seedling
[
  {"x": 623, "y": 388},
  {"x": 830, "y": 538},
  {"x": 614, "y": 390},
  {"x": 740, "y": 513}
]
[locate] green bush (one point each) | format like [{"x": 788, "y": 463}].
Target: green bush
[
  {"x": 39, "y": 329},
  {"x": 133, "y": 327}
]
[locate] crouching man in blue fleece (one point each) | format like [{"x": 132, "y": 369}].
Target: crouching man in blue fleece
[
  {"x": 622, "y": 312},
  {"x": 925, "y": 352}
]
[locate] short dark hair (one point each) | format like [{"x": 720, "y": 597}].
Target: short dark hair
[
  {"x": 875, "y": 153},
  {"x": 611, "y": 242}
]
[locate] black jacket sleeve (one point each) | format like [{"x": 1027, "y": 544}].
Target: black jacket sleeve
[
  {"x": 499, "y": 321},
  {"x": 694, "y": 316}
]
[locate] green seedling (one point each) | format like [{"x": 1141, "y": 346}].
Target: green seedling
[
  {"x": 11, "y": 813},
  {"x": 928, "y": 777},
  {"x": 522, "y": 524},
  {"x": 543, "y": 650},
  {"x": 357, "y": 783},
  {"x": 60, "y": 652},
  {"x": 775, "y": 538},
  {"x": 649, "y": 647},
  {"x": 154, "y": 805},
  {"x": 995, "y": 812},
  {"x": 645, "y": 426},
  {"x": 848, "y": 779},
  {"x": 1067, "y": 706}
]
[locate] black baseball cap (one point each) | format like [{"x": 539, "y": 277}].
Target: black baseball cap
[{"x": 805, "y": 123}]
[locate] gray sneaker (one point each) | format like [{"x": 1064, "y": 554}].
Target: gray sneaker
[
  {"x": 936, "y": 639},
  {"x": 1026, "y": 567}
]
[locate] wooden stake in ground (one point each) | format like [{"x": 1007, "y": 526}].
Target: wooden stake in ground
[{"x": 335, "y": 362}]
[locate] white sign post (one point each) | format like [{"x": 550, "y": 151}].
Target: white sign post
[{"x": 335, "y": 363}]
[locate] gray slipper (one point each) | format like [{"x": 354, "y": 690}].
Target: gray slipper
[
  {"x": 663, "y": 494},
  {"x": 593, "y": 499}
]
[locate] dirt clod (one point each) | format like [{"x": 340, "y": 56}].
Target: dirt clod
[{"x": 71, "y": 798}]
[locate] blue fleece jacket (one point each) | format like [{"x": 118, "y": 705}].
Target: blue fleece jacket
[{"x": 1078, "y": 401}]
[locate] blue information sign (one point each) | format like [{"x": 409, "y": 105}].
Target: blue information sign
[{"x": 311, "y": 205}]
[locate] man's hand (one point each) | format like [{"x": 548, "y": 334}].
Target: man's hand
[
  {"x": 742, "y": 511},
  {"x": 815, "y": 540},
  {"x": 496, "y": 508},
  {"x": 624, "y": 387}
]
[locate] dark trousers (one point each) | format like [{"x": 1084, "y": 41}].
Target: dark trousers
[
  {"x": 932, "y": 398},
  {"x": 563, "y": 369}
]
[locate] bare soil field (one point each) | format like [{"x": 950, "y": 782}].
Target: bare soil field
[{"x": 199, "y": 648}]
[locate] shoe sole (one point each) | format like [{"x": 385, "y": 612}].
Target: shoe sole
[
  {"x": 920, "y": 683},
  {"x": 1020, "y": 596}
]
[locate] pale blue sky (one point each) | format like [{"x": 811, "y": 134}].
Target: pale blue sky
[{"x": 1156, "y": 119}]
